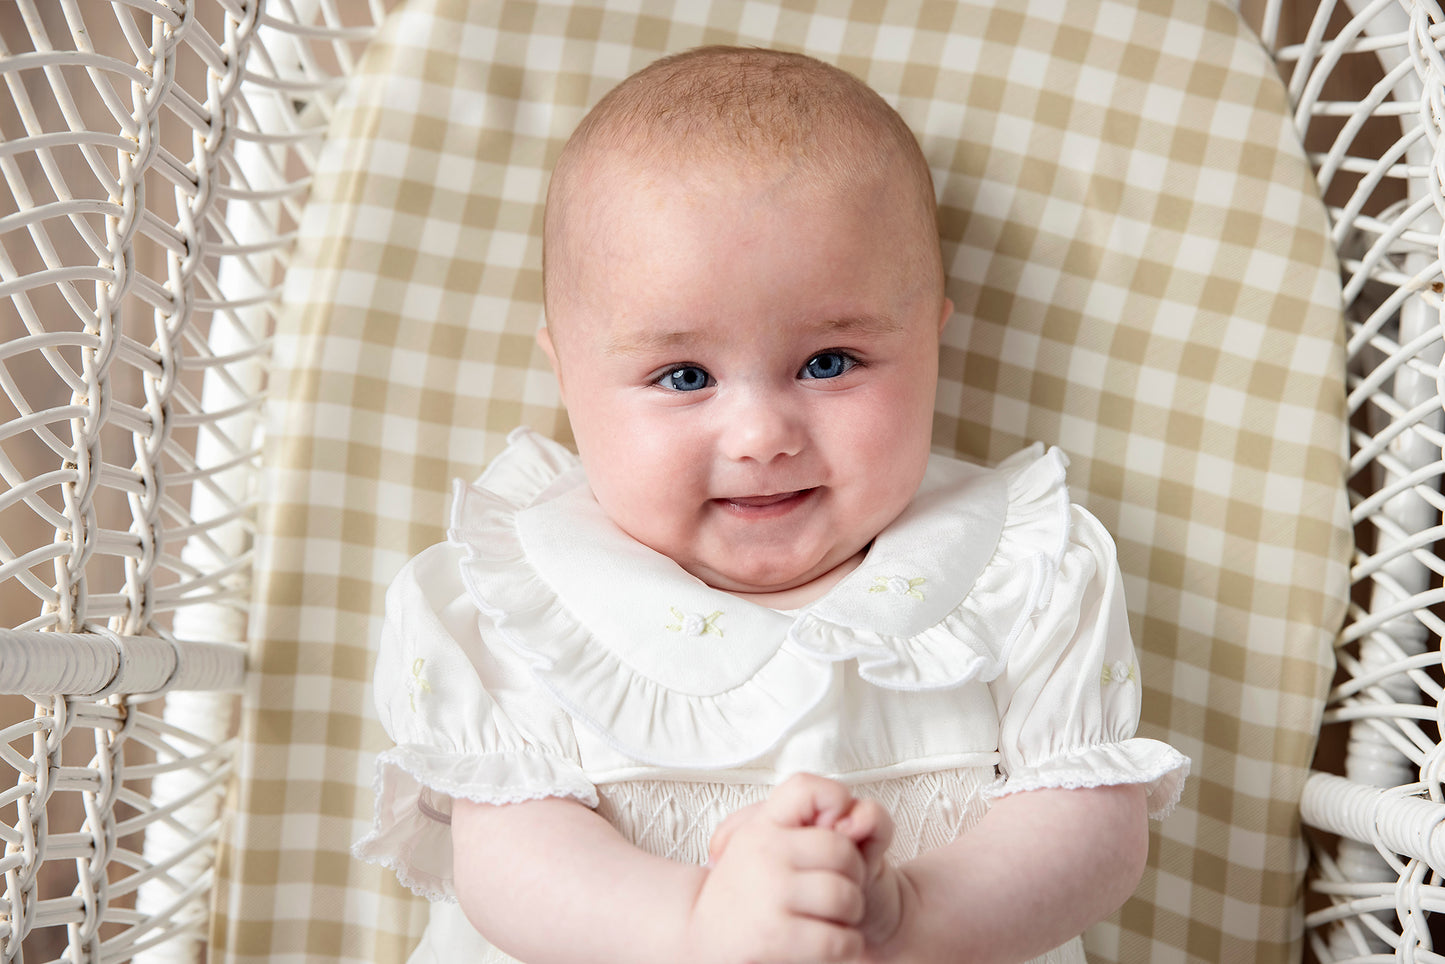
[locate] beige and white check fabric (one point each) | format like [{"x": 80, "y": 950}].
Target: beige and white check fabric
[{"x": 1143, "y": 277}]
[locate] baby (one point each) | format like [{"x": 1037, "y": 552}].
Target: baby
[{"x": 755, "y": 677}]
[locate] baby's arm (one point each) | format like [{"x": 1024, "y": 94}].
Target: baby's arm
[
  {"x": 1038, "y": 869},
  {"x": 549, "y": 880}
]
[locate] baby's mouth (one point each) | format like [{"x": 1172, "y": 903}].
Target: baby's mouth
[{"x": 765, "y": 501}]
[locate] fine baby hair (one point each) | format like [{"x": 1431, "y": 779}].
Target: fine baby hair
[
  {"x": 752, "y": 108},
  {"x": 754, "y": 676}
]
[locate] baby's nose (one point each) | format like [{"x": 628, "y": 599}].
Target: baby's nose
[{"x": 761, "y": 428}]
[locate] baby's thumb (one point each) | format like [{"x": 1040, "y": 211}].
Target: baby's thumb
[
  {"x": 870, "y": 827},
  {"x": 725, "y": 830},
  {"x": 805, "y": 800}
]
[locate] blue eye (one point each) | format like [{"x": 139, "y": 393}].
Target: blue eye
[
  {"x": 685, "y": 378},
  {"x": 828, "y": 364}
]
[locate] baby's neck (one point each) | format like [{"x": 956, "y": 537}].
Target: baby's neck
[{"x": 799, "y": 596}]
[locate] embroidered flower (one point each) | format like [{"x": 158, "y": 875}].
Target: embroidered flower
[
  {"x": 417, "y": 683},
  {"x": 694, "y": 624},
  {"x": 898, "y": 586},
  {"x": 1119, "y": 672}
]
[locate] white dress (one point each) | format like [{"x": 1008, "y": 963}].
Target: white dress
[{"x": 981, "y": 648}]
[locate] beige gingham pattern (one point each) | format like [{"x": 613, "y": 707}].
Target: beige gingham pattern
[{"x": 1143, "y": 277}]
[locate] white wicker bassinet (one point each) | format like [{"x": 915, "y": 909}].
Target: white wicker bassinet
[{"x": 157, "y": 154}]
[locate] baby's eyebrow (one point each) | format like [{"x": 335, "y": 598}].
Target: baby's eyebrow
[
  {"x": 652, "y": 342},
  {"x": 656, "y": 342},
  {"x": 862, "y": 325}
]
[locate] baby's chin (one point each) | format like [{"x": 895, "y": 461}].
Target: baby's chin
[{"x": 779, "y": 590}]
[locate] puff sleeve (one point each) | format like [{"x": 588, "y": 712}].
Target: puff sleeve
[
  {"x": 1068, "y": 695},
  {"x": 466, "y": 722}
]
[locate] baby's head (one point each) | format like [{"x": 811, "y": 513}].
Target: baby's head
[{"x": 744, "y": 296}]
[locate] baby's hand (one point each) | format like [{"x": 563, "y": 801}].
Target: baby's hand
[
  {"x": 783, "y": 885},
  {"x": 864, "y": 822},
  {"x": 870, "y": 828}
]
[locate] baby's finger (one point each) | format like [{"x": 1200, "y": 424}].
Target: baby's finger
[
  {"x": 811, "y": 940},
  {"x": 806, "y": 800},
  {"x": 729, "y": 826},
  {"x": 826, "y": 896},
  {"x": 816, "y": 849},
  {"x": 869, "y": 826}
]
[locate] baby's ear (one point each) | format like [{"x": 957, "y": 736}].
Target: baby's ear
[
  {"x": 544, "y": 341},
  {"x": 943, "y": 316}
]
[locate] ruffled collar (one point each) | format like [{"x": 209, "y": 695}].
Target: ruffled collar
[{"x": 632, "y": 645}]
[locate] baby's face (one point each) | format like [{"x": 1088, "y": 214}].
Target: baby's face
[{"x": 749, "y": 370}]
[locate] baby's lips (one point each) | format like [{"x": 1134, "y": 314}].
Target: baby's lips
[{"x": 758, "y": 501}]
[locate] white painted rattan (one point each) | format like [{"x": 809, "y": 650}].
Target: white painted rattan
[
  {"x": 1379, "y": 160},
  {"x": 156, "y": 156}
]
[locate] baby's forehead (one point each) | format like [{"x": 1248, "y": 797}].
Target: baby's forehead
[
  {"x": 618, "y": 179},
  {"x": 616, "y": 207}
]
